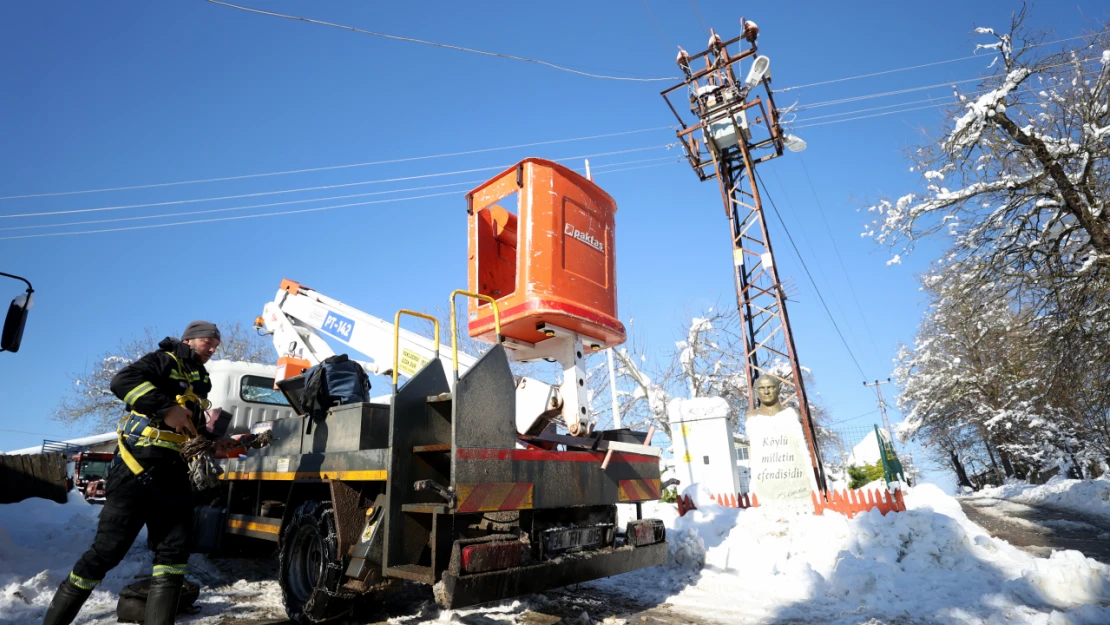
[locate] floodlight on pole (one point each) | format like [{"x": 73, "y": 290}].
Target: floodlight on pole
[
  {"x": 793, "y": 143},
  {"x": 756, "y": 73}
]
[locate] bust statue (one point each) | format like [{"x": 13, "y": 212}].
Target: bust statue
[{"x": 767, "y": 392}]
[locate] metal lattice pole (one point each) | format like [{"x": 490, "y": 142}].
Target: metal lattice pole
[{"x": 720, "y": 145}]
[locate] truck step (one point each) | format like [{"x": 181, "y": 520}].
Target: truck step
[
  {"x": 424, "y": 508},
  {"x": 427, "y": 449},
  {"x": 411, "y": 572},
  {"x": 441, "y": 397}
]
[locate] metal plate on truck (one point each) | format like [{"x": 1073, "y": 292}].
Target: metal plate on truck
[{"x": 574, "y": 537}]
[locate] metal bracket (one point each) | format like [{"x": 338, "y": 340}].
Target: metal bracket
[{"x": 447, "y": 493}]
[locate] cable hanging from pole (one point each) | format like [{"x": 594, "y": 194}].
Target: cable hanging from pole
[
  {"x": 440, "y": 45},
  {"x": 820, "y": 297}
]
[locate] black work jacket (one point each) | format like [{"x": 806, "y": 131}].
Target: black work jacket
[{"x": 151, "y": 384}]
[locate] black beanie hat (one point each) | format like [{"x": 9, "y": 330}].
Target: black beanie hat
[{"x": 201, "y": 330}]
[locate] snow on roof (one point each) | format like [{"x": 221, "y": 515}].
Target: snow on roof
[
  {"x": 84, "y": 441},
  {"x": 866, "y": 451},
  {"x": 697, "y": 409}
]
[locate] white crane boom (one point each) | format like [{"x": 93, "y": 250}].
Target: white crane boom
[{"x": 298, "y": 316}]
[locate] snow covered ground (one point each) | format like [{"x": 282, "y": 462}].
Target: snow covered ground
[
  {"x": 927, "y": 565},
  {"x": 1084, "y": 496}
]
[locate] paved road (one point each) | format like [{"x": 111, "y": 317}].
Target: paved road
[
  {"x": 565, "y": 606},
  {"x": 1040, "y": 530}
]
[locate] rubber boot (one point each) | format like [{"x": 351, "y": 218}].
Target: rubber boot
[
  {"x": 66, "y": 604},
  {"x": 163, "y": 599}
]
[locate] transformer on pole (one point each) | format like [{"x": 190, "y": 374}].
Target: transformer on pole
[{"x": 735, "y": 129}]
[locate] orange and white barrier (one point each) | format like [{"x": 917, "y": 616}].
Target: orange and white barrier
[{"x": 850, "y": 502}]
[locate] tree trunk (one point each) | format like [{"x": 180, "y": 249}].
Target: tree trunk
[
  {"x": 994, "y": 463},
  {"x": 961, "y": 474},
  {"x": 1006, "y": 464}
]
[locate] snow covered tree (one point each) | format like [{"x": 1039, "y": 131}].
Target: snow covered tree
[
  {"x": 642, "y": 394},
  {"x": 978, "y": 383},
  {"x": 1014, "y": 351},
  {"x": 1021, "y": 175},
  {"x": 90, "y": 401},
  {"x": 707, "y": 361}
]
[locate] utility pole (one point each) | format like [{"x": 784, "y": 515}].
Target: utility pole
[
  {"x": 732, "y": 124},
  {"x": 882, "y": 409}
]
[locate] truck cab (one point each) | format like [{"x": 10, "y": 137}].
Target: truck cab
[
  {"x": 246, "y": 390},
  {"x": 91, "y": 467}
]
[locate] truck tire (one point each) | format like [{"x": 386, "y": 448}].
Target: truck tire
[{"x": 310, "y": 568}]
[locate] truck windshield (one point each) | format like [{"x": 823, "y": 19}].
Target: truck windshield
[
  {"x": 95, "y": 469},
  {"x": 261, "y": 390}
]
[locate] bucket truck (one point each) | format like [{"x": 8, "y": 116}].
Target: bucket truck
[{"x": 461, "y": 481}]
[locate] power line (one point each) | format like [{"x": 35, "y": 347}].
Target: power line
[
  {"x": 241, "y": 217},
  {"x": 610, "y": 171},
  {"x": 819, "y": 267},
  {"x": 697, "y": 11},
  {"x": 836, "y": 249},
  {"x": 851, "y": 119},
  {"x": 884, "y": 94},
  {"x": 655, "y": 25},
  {"x": 335, "y": 167},
  {"x": 217, "y": 219},
  {"x": 855, "y": 417},
  {"x": 33, "y": 433},
  {"x": 923, "y": 65},
  {"x": 889, "y": 71},
  {"x": 820, "y": 297},
  {"x": 239, "y": 208},
  {"x": 597, "y": 169},
  {"x": 949, "y": 83},
  {"x": 316, "y": 188},
  {"x": 441, "y": 45},
  {"x": 933, "y": 100}
]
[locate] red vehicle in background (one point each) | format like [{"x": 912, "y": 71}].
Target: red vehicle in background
[{"x": 90, "y": 470}]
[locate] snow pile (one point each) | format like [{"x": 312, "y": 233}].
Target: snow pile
[
  {"x": 41, "y": 540},
  {"x": 1084, "y": 496},
  {"x": 929, "y": 564},
  {"x": 926, "y": 565}
]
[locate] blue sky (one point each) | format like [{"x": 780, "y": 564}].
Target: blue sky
[{"x": 113, "y": 94}]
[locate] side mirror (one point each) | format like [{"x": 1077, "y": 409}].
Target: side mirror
[
  {"x": 12, "y": 334},
  {"x": 14, "y": 323}
]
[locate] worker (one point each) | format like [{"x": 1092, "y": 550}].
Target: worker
[{"x": 165, "y": 393}]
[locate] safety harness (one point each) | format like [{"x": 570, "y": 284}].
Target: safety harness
[{"x": 136, "y": 429}]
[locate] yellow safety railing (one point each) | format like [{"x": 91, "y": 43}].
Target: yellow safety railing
[
  {"x": 397, "y": 338},
  {"x": 454, "y": 331}
]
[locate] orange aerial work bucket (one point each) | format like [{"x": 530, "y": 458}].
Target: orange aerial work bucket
[{"x": 542, "y": 245}]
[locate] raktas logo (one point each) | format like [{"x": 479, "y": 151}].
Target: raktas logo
[{"x": 575, "y": 233}]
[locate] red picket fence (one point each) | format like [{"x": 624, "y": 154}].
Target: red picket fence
[
  {"x": 851, "y": 502},
  {"x": 741, "y": 500},
  {"x": 846, "y": 502}
]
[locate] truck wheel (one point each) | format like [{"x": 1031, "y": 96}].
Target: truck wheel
[{"x": 310, "y": 567}]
